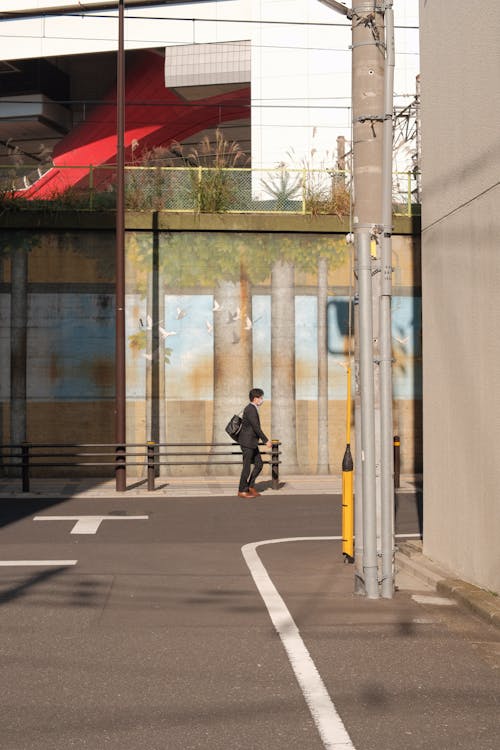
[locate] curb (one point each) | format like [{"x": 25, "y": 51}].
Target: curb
[
  {"x": 410, "y": 558},
  {"x": 473, "y": 598}
]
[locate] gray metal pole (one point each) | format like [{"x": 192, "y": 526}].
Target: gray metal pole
[
  {"x": 359, "y": 579},
  {"x": 367, "y": 101},
  {"x": 364, "y": 266},
  {"x": 386, "y": 427}
]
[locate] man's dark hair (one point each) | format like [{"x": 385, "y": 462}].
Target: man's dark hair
[{"x": 255, "y": 393}]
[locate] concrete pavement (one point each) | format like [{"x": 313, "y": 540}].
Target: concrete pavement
[
  {"x": 180, "y": 486},
  {"x": 162, "y": 635},
  {"x": 409, "y": 557}
]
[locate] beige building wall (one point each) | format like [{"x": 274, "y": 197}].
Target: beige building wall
[{"x": 460, "y": 58}]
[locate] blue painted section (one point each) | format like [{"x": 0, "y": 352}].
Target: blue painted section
[{"x": 70, "y": 347}]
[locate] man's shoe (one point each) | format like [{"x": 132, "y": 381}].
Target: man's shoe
[
  {"x": 245, "y": 494},
  {"x": 253, "y": 492}
]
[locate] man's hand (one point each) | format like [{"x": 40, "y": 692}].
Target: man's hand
[{"x": 269, "y": 444}]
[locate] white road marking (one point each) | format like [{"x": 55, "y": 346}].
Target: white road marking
[
  {"x": 36, "y": 563},
  {"x": 89, "y": 524},
  {"x": 440, "y": 601},
  {"x": 328, "y": 722}
]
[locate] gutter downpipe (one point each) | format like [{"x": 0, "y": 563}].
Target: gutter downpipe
[{"x": 385, "y": 341}]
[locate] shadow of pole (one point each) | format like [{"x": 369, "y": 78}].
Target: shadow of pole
[{"x": 16, "y": 592}]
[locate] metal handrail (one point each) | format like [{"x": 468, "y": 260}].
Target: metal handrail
[{"x": 26, "y": 457}]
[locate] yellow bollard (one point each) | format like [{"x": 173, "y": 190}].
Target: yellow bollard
[
  {"x": 347, "y": 507},
  {"x": 347, "y": 486}
]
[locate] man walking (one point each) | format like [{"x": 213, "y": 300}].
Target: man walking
[{"x": 248, "y": 438}]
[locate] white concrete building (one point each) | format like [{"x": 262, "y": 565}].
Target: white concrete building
[{"x": 300, "y": 61}]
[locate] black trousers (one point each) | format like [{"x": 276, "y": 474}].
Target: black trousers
[{"x": 248, "y": 476}]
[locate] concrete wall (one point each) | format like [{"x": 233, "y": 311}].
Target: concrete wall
[
  {"x": 460, "y": 283},
  {"x": 70, "y": 327}
]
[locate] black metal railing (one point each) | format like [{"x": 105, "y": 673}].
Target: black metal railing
[{"x": 26, "y": 458}]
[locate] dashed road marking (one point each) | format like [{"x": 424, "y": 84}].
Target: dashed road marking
[
  {"x": 89, "y": 524},
  {"x": 36, "y": 563}
]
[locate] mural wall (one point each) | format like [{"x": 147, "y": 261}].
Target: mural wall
[{"x": 208, "y": 316}]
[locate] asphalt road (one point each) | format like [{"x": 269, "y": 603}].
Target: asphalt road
[{"x": 157, "y": 637}]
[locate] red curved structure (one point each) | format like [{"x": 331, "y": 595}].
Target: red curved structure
[{"x": 154, "y": 116}]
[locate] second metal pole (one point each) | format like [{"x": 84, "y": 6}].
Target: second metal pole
[
  {"x": 386, "y": 429},
  {"x": 364, "y": 267}
]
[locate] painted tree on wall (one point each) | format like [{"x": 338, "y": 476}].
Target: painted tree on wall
[
  {"x": 310, "y": 253},
  {"x": 144, "y": 266},
  {"x": 16, "y": 246},
  {"x": 228, "y": 265},
  {"x": 323, "y": 459},
  {"x": 228, "y": 269}
]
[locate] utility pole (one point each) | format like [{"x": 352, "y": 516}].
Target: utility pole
[
  {"x": 372, "y": 112},
  {"x": 367, "y": 77},
  {"x": 373, "y": 60}
]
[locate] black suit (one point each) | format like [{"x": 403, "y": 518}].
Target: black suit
[{"x": 248, "y": 438}]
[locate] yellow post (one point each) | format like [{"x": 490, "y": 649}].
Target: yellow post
[{"x": 347, "y": 485}]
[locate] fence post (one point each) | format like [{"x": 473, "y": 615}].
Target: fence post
[
  {"x": 304, "y": 188},
  {"x": 25, "y": 466},
  {"x": 397, "y": 445},
  {"x": 91, "y": 187},
  {"x": 120, "y": 467},
  {"x": 151, "y": 464},
  {"x": 198, "y": 195},
  {"x": 275, "y": 464}
]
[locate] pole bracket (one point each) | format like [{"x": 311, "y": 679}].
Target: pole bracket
[
  {"x": 367, "y": 44},
  {"x": 370, "y": 118}
]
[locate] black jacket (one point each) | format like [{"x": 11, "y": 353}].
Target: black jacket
[{"x": 250, "y": 429}]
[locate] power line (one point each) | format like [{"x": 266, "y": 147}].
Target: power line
[
  {"x": 184, "y": 105},
  {"x": 326, "y": 24},
  {"x": 173, "y": 43},
  {"x": 191, "y": 19},
  {"x": 275, "y": 103}
]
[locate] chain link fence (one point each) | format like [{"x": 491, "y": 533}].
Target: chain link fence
[{"x": 196, "y": 189}]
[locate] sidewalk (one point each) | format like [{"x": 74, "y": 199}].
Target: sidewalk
[
  {"x": 410, "y": 561},
  {"x": 178, "y": 486}
]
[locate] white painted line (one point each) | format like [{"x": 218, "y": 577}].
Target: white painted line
[
  {"x": 36, "y": 563},
  {"x": 89, "y": 524},
  {"x": 440, "y": 601},
  {"x": 328, "y": 722}
]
